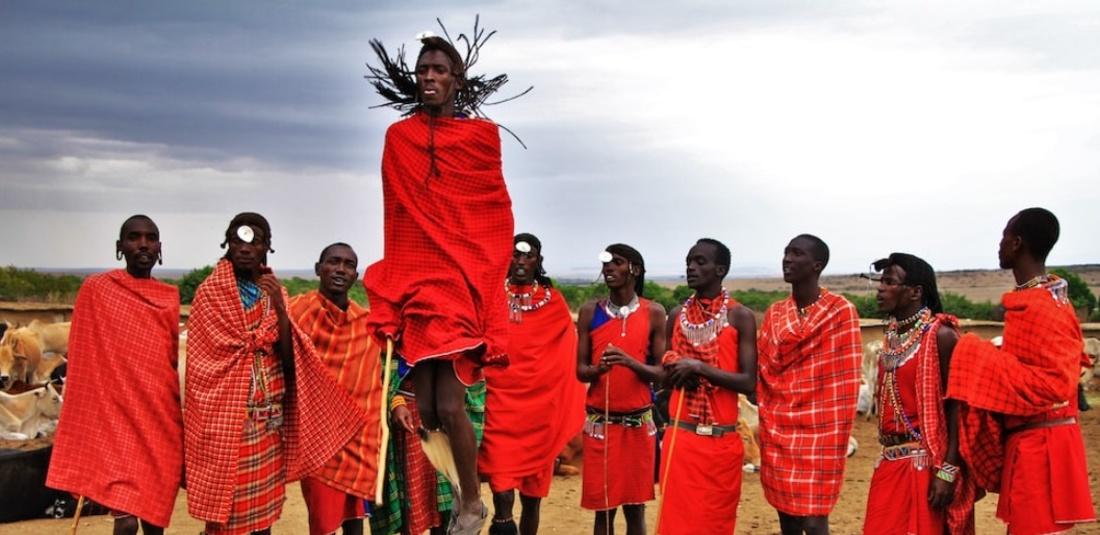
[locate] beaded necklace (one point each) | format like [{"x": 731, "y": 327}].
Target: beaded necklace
[
  {"x": 707, "y": 331},
  {"x": 898, "y": 349},
  {"x": 805, "y": 311},
  {"x": 522, "y": 302},
  {"x": 621, "y": 312},
  {"x": 1033, "y": 282}
]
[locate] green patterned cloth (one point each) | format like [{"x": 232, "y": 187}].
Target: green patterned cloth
[{"x": 386, "y": 519}]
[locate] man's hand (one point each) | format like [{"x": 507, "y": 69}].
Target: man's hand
[
  {"x": 613, "y": 356},
  {"x": 401, "y": 416},
  {"x": 940, "y": 493},
  {"x": 685, "y": 373},
  {"x": 271, "y": 286}
]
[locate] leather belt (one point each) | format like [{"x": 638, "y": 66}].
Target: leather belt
[
  {"x": 707, "y": 430},
  {"x": 1046, "y": 423}
]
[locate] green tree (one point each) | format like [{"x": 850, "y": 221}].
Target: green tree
[{"x": 190, "y": 282}]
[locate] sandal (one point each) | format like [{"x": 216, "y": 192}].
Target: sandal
[{"x": 474, "y": 528}]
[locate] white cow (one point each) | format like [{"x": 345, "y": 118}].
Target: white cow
[
  {"x": 867, "y": 405},
  {"x": 21, "y": 415},
  {"x": 52, "y": 337}
]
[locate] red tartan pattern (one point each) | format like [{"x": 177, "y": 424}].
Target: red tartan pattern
[
  {"x": 699, "y": 399},
  {"x": 448, "y": 241},
  {"x": 1035, "y": 369},
  {"x": 344, "y": 343},
  {"x": 420, "y": 510},
  {"x": 219, "y": 362},
  {"x": 807, "y": 390},
  {"x": 125, "y": 331},
  {"x": 260, "y": 488},
  {"x": 933, "y": 426}
]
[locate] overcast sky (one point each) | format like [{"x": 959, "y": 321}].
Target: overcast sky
[{"x": 878, "y": 127}]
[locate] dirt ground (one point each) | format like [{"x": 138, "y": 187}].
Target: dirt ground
[{"x": 561, "y": 513}]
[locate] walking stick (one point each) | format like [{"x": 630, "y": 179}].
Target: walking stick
[
  {"x": 384, "y": 409},
  {"x": 668, "y": 459},
  {"x": 606, "y": 444},
  {"x": 76, "y": 515}
]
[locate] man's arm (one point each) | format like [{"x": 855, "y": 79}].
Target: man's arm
[
  {"x": 942, "y": 492},
  {"x": 586, "y": 372}
]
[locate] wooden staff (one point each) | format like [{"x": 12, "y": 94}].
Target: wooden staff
[
  {"x": 76, "y": 515},
  {"x": 384, "y": 409},
  {"x": 668, "y": 459}
]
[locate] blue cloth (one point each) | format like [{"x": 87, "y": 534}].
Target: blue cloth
[
  {"x": 250, "y": 293},
  {"x": 599, "y": 317}
]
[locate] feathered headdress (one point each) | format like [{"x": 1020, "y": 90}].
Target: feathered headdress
[{"x": 396, "y": 82}]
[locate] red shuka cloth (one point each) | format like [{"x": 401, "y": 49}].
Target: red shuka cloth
[
  {"x": 899, "y": 492},
  {"x": 448, "y": 241},
  {"x": 536, "y": 404},
  {"x": 702, "y": 481},
  {"x": 318, "y": 416},
  {"x": 344, "y": 343},
  {"x": 618, "y": 469},
  {"x": 808, "y": 388},
  {"x": 628, "y": 391},
  {"x": 122, "y": 446},
  {"x": 1032, "y": 378}
]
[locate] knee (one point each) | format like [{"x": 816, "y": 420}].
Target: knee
[
  {"x": 428, "y": 416},
  {"x": 451, "y": 413}
]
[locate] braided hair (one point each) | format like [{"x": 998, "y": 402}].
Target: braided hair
[
  {"x": 917, "y": 273},
  {"x": 251, "y": 219},
  {"x": 635, "y": 258},
  {"x": 394, "y": 81}
]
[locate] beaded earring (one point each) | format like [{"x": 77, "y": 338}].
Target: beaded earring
[{"x": 118, "y": 255}]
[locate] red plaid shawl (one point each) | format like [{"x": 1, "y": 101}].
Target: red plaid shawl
[
  {"x": 120, "y": 438},
  {"x": 319, "y": 417},
  {"x": 448, "y": 240},
  {"x": 933, "y": 426},
  {"x": 699, "y": 399},
  {"x": 343, "y": 341},
  {"x": 808, "y": 387},
  {"x": 1035, "y": 369}
]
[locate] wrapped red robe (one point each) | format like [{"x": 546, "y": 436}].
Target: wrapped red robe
[
  {"x": 448, "y": 243},
  {"x": 120, "y": 438},
  {"x": 807, "y": 390},
  {"x": 702, "y": 481},
  {"x": 345, "y": 345},
  {"x": 619, "y": 458},
  {"x": 318, "y": 417},
  {"x": 536, "y": 404},
  {"x": 1040, "y": 471},
  {"x": 897, "y": 501}
]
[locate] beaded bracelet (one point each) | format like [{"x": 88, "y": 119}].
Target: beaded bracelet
[
  {"x": 948, "y": 472},
  {"x": 397, "y": 401}
]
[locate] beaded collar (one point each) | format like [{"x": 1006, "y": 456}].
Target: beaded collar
[
  {"x": 707, "y": 331},
  {"x": 518, "y": 303}
]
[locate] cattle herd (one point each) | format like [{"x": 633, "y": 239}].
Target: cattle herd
[{"x": 32, "y": 371}]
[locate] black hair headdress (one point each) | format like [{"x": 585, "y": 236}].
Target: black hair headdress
[{"x": 396, "y": 82}]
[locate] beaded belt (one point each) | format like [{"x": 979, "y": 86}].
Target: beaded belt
[
  {"x": 270, "y": 414},
  {"x": 894, "y": 440},
  {"x": 909, "y": 450},
  {"x": 594, "y": 424},
  {"x": 707, "y": 430},
  {"x": 1047, "y": 423}
]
